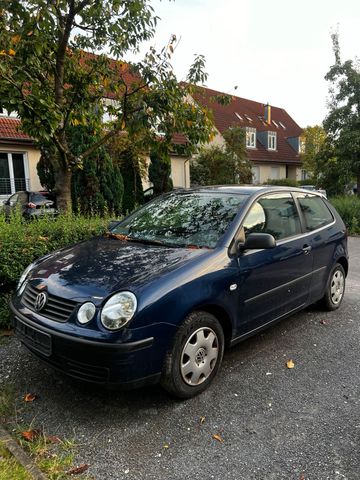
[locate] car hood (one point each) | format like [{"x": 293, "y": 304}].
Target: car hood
[{"x": 104, "y": 265}]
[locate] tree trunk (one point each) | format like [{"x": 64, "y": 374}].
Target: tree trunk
[{"x": 63, "y": 190}]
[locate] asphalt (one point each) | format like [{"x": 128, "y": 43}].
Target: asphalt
[{"x": 274, "y": 422}]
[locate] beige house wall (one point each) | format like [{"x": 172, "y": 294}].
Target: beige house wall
[{"x": 180, "y": 171}]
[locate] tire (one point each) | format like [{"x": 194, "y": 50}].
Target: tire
[
  {"x": 335, "y": 289},
  {"x": 195, "y": 357}
]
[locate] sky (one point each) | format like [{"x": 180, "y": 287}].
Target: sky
[{"x": 274, "y": 51}]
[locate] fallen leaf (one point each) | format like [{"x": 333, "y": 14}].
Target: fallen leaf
[
  {"x": 77, "y": 470},
  {"x": 30, "y": 435},
  {"x": 6, "y": 333},
  {"x": 11, "y": 52},
  {"x": 53, "y": 439},
  {"x": 43, "y": 239},
  {"x": 201, "y": 420},
  {"x": 290, "y": 364},
  {"x": 30, "y": 397},
  {"x": 166, "y": 445},
  {"x": 322, "y": 322},
  {"x": 302, "y": 477},
  {"x": 218, "y": 438}
]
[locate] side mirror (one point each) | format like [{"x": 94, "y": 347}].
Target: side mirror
[
  {"x": 112, "y": 224},
  {"x": 257, "y": 241}
]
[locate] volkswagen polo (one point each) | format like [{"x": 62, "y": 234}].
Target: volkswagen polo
[{"x": 161, "y": 295}]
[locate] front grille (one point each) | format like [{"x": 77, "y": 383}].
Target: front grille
[{"x": 56, "y": 308}]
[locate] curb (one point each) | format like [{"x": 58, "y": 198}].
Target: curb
[{"x": 21, "y": 456}]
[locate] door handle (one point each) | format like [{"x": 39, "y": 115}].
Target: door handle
[{"x": 306, "y": 249}]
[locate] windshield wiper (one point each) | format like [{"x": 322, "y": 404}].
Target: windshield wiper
[{"x": 148, "y": 241}]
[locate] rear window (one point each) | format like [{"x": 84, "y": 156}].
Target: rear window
[{"x": 315, "y": 211}]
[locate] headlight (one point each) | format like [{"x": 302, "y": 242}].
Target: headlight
[
  {"x": 118, "y": 310},
  {"x": 86, "y": 313},
  {"x": 25, "y": 275}
]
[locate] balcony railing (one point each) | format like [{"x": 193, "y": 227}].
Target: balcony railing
[{"x": 8, "y": 186}]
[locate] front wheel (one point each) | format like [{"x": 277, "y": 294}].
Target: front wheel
[
  {"x": 195, "y": 357},
  {"x": 335, "y": 288}
]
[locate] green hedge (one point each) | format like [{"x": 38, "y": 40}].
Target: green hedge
[
  {"x": 349, "y": 210},
  {"x": 22, "y": 242}
]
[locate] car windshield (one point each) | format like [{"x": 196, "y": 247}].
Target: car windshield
[{"x": 182, "y": 219}]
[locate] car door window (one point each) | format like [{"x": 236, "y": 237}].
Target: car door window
[
  {"x": 315, "y": 212},
  {"x": 275, "y": 214}
]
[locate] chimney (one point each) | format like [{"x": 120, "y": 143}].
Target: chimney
[{"x": 267, "y": 114}]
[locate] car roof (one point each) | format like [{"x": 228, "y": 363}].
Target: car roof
[{"x": 244, "y": 189}]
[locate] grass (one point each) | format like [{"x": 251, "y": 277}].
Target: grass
[
  {"x": 53, "y": 456},
  {"x": 10, "y": 469}
]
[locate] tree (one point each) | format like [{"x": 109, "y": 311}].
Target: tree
[
  {"x": 50, "y": 74},
  {"x": 133, "y": 191},
  {"x": 342, "y": 123},
  {"x": 160, "y": 170},
  {"x": 225, "y": 164},
  {"x": 314, "y": 140}
]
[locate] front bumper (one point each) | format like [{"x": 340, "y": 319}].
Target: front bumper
[{"x": 129, "y": 365}]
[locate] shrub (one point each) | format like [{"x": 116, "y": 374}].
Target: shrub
[
  {"x": 21, "y": 242},
  {"x": 283, "y": 182},
  {"x": 349, "y": 210}
]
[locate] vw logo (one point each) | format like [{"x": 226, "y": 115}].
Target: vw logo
[{"x": 40, "y": 301}]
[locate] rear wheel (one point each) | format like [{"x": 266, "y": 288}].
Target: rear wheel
[
  {"x": 195, "y": 357},
  {"x": 335, "y": 288}
]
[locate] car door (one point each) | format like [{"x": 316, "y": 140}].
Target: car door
[
  {"x": 273, "y": 282},
  {"x": 323, "y": 234},
  {"x": 11, "y": 203}
]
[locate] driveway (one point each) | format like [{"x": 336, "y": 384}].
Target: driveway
[{"x": 275, "y": 423}]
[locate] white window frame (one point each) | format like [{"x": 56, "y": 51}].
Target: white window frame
[
  {"x": 272, "y": 141},
  {"x": 250, "y": 137},
  {"x": 11, "y": 169}
]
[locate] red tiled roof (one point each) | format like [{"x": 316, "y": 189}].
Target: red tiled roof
[
  {"x": 9, "y": 130},
  {"x": 225, "y": 116}
]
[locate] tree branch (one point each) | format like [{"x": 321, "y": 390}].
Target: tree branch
[{"x": 102, "y": 142}]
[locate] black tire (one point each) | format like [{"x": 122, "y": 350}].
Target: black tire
[
  {"x": 201, "y": 333},
  {"x": 335, "y": 289}
]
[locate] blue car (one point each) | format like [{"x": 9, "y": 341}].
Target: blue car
[{"x": 161, "y": 295}]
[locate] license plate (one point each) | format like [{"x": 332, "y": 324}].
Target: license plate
[{"x": 33, "y": 338}]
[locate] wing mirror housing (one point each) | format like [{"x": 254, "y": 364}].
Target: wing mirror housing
[{"x": 257, "y": 241}]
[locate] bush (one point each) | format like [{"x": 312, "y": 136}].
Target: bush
[
  {"x": 283, "y": 182},
  {"x": 21, "y": 242},
  {"x": 349, "y": 210}
]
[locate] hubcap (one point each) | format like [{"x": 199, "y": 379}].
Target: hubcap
[
  {"x": 337, "y": 287},
  {"x": 199, "y": 356}
]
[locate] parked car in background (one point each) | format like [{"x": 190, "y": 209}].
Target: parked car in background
[
  {"x": 312, "y": 188},
  {"x": 159, "y": 297},
  {"x": 32, "y": 204}
]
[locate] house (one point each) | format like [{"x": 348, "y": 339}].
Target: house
[
  {"x": 18, "y": 158},
  {"x": 273, "y": 139}
]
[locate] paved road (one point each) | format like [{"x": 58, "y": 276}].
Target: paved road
[{"x": 276, "y": 423}]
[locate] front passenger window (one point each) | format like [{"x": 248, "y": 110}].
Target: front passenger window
[{"x": 275, "y": 214}]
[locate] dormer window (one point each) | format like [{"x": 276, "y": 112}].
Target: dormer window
[
  {"x": 271, "y": 140},
  {"x": 250, "y": 137}
]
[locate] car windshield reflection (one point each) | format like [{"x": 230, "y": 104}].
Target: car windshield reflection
[{"x": 196, "y": 220}]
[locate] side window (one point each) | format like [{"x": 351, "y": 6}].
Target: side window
[
  {"x": 315, "y": 211},
  {"x": 275, "y": 214}
]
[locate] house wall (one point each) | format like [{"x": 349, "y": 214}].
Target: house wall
[{"x": 180, "y": 171}]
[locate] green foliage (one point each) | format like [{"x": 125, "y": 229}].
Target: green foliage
[
  {"x": 51, "y": 74},
  {"x": 133, "y": 191},
  {"x": 342, "y": 123},
  {"x": 159, "y": 171},
  {"x": 22, "y": 242},
  {"x": 98, "y": 187},
  {"x": 286, "y": 182},
  {"x": 349, "y": 210},
  {"x": 226, "y": 164},
  {"x": 314, "y": 140}
]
